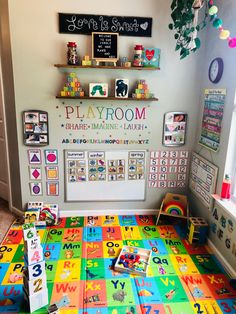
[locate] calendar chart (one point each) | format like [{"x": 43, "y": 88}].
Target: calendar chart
[{"x": 168, "y": 169}]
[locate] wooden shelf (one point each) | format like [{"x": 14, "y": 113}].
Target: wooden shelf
[
  {"x": 107, "y": 98},
  {"x": 104, "y": 67},
  {"x": 176, "y": 216}
]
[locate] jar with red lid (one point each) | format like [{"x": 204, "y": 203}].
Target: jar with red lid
[
  {"x": 138, "y": 56},
  {"x": 72, "y": 55}
]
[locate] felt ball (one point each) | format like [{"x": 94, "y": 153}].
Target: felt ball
[
  {"x": 232, "y": 42},
  {"x": 213, "y": 10},
  {"x": 217, "y": 23},
  {"x": 224, "y": 34}
]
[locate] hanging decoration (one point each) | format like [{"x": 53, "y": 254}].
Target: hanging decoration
[
  {"x": 217, "y": 23},
  {"x": 186, "y": 25}
]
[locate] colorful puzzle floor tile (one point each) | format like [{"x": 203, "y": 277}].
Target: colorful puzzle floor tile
[{"x": 80, "y": 255}]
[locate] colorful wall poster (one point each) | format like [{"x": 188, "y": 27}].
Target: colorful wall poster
[
  {"x": 168, "y": 169},
  {"x": 202, "y": 179},
  {"x": 212, "y": 118},
  {"x": 174, "y": 128},
  {"x": 35, "y": 128},
  {"x": 105, "y": 175}
]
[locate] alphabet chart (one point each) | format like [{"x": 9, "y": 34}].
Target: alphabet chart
[{"x": 168, "y": 169}]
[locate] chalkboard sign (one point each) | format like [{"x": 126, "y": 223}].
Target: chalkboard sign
[
  {"x": 105, "y": 46},
  {"x": 86, "y": 24}
]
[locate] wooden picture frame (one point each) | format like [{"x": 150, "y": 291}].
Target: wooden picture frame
[{"x": 105, "y": 47}]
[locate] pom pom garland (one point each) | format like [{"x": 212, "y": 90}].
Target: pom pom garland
[{"x": 217, "y": 23}]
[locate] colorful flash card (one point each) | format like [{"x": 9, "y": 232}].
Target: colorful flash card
[
  {"x": 35, "y": 173},
  {"x": 51, "y": 156},
  {"x": 52, "y": 188},
  {"x": 34, "y": 156},
  {"x": 36, "y": 188},
  {"x": 52, "y": 173}
]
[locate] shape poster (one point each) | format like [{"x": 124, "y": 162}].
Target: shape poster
[
  {"x": 202, "y": 179},
  {"x": 168, "y": 169},
  {"x": 212, "y": 118}
]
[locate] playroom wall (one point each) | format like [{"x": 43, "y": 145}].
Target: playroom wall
[
  {"x": 37, "y": 46},
  {"x": 219, "y": 48}
]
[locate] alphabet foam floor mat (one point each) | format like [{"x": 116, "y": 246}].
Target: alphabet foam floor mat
[{"x": 80, "y": 255}]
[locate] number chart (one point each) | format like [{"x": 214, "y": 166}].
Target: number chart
[{"x": 168, "y": 169}]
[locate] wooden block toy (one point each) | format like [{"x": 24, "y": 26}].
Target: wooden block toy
[
  {"x": 71, "y": 86},
  {"x": 34, "y": 286},
  {"x": 36, "y": 270},
  {"x": 53, "y": 309},
  {"x": 133, "y": 260},
  {"x": 32, "y": 244},
  {"x": 141, "y": 91},
  {"x": 37, "y": 300},
  {"x": 29, "y": 231},
  {"x": 121, "y": 88},
  {"x": 197, "y": 230},
  {"x": 33, "y": 256}
]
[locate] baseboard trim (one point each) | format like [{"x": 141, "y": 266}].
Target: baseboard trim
[
  {"x": 102, "y": 212},
  {"x": 16, "y": 211},
  {"x": 227, "y": 267}
]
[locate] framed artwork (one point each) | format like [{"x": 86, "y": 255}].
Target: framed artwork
[
  {"x": 174, "y": 128},
  {"x": 121, "y": 88},
  {"x": 35, "y": 128}
]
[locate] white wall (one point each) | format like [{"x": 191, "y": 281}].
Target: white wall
[
  {"x": 37, "y": 46},
  {"x": 219, "y": 48}
]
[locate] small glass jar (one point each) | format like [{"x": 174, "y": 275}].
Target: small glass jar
[
  {"x": 72, "y": 55},
  {"x": 138, "y": 56}
]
